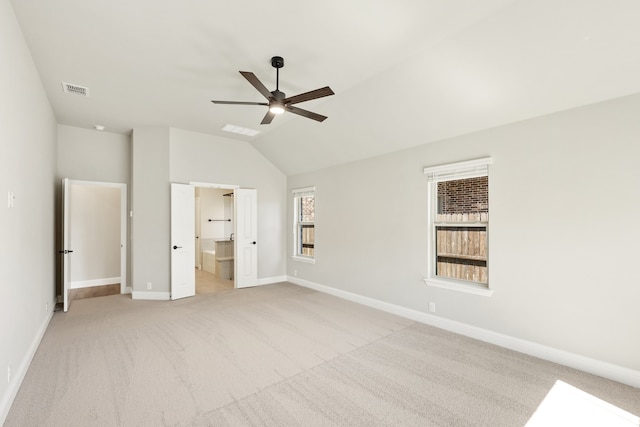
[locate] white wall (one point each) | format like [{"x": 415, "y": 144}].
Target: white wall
[
  {"x": 94, "y": 235},
  {"x": 564, "y": 195},
  {"x": 151, "y": 204},
  {"x": 212, "y": 206},
  {"x": 90, "y": 155},
  {"x": 27, "y": 253}
]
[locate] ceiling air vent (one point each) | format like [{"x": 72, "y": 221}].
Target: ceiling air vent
[{"x": 78, "y": 90}]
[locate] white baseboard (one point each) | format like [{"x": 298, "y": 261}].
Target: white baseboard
[
  {"x": 155, "y": 296},
  {"x": 94, "y": 282},
  {"x": 18, "y": 374},
  {"x": 597, "y": 367},
  {"x": 271, "y": 280},
  {"x": 165, "y": 296}
]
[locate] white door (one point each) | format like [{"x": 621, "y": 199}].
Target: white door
[
  {"x": 246, "y": 237},
  {"x": 183, "y": 276},
  {"x": 64, "y": 251},
  {"x": 198, "y": 260}
]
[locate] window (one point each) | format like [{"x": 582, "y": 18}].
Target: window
[
  {"x": 304, "y": 213},
  {"x": 458, "y": 226}
]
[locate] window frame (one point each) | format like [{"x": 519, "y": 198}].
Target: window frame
[
  {"x": 450, "y": 172},
  {"x": 298, "y": 194}
]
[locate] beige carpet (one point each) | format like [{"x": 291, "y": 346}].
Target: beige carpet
[{"x": 278, "y": 355}]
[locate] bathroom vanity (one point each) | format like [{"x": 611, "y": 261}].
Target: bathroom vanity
[{"x": 224, "y": 258}]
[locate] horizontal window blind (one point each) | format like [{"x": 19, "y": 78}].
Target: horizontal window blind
[
  {"x": 304, "y": 192},
  {"x": 459, "y": 170}
]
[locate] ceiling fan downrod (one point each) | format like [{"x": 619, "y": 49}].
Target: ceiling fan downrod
[{"x": 277, "y": 62}]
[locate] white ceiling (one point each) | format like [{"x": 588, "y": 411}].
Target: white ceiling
[{"x": 405, "y": 72}]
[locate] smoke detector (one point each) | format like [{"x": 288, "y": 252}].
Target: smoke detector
[{"x": 76, "y": 89}]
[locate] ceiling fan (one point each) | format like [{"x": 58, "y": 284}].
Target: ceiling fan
[{"x": 278, "y": 102}]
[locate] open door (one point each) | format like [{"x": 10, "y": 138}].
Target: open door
[
  {"x": 198, "y": 260},
  {"x": 64, "y": 251},
  {"x": 183, "y": 276},
  {"x": 246, "y": 237}
]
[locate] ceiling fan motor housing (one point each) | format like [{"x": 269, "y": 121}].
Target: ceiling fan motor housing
[{"x": 278, "y": 95}]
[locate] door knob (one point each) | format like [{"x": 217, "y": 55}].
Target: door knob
[
  {"x": 177, "y": 247},
  {"x": 253, "y": 243}
]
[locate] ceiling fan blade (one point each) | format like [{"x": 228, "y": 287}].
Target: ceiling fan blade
[
  {"x": 318, "y": 93},
  {"x": 268, "y": 118},
  {"x": 305, "y": 113},
  {"x": 256, "y": 83},
  {"x": 239, "y": 103}
]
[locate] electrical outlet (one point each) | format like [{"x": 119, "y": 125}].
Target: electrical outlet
[
  {"x": 149, "y": 286},
  {"x": 432, "y": 307},
  {"x": 295, "y": 273},
  {"x": 46, "y": 307},
  {"x": 8, "y": 374}
]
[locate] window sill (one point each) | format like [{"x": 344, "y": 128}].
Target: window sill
[
  {"x": 303, "y": 259},
  {"x": 459, "y": 287}
]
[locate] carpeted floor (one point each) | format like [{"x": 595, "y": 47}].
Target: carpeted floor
[{"x": 278, "y": 355}]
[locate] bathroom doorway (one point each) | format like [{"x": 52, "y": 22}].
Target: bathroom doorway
[
  {"x": 214, "y": 228},
  {"x": 235, "y": 256}
]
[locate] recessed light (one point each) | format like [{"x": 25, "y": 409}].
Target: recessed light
[
  {"x": 240, "y": 130},
  {"x": 98, "y": 127}
]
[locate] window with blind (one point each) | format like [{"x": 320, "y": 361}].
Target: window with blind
[
  {"x": 304, "y": 212},
  {"x": 458, "y": 225}
]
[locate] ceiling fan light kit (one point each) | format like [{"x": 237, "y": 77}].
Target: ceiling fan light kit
[
  {"x": 276, "y": 107},
  {"x": 278, "y": 103}
]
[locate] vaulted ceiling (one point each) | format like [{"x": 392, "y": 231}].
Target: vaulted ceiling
[{"x": 405, "y": 72}]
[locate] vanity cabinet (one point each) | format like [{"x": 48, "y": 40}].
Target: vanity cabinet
[{"x": 224, "y": 259}]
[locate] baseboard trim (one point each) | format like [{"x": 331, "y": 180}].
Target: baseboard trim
[
  {"x": 79, "y": 284},
  {"x": 165, "y": 296},
  {"x": 19, "y": 374},
  {"x": 154, "y": 296},
  {"x": 271, "y": 280},
  {"x": 593, "y": 366}
]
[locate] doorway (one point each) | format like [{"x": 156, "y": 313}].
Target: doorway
[
  {"x": 214, "y": 228},
  {"x": 236, "y": 256},
  {"x": 93, "y": 239}
]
